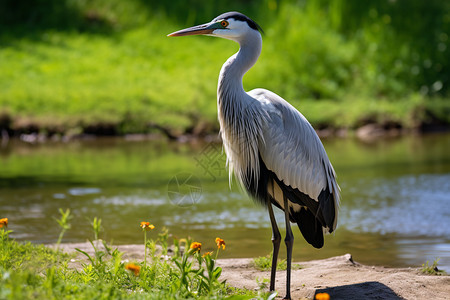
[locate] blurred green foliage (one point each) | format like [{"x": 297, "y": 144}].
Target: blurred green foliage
[{"x": 79, "y": 63}]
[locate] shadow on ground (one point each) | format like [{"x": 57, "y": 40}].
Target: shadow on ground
[{"x": 365, "y": 290}]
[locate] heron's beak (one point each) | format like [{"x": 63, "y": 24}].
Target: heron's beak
[{"x": 207, "y": 28}]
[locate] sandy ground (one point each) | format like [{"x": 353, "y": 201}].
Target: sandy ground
[{"x": 339, "y": 276}]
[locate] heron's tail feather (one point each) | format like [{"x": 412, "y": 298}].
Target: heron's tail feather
[
  {"x": 310, "y": 227},
  {"x": 328, "y": 209}
]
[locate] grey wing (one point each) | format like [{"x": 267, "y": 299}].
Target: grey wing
[{"x": 291, "y": 149}]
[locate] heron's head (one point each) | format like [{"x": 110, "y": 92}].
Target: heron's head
[{"x": 230, "y": 25}]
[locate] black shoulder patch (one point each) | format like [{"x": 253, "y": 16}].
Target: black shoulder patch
[{"x": 240, "y": 17}]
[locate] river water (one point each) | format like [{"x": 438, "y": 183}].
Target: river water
[{"x": 395, "y": 208}]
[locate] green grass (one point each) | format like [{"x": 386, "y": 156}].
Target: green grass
[
  {"x": 29, "y": 271},
  {"x": 432, "y": 269},
  {"x": 77, "y": 80},
  {"x": 109, "y": 63},
  {"x": 264, "y": 263}
]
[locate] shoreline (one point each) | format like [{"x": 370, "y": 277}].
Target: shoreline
[
  {"x": 369, "y": 132},
  {"x": 38, "y": 131},
  {"x": 340, "y": 276}
]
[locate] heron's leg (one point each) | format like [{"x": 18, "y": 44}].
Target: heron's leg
[
  {"x": 289, "y": 240},
  {"x": 276, "y": 240}
]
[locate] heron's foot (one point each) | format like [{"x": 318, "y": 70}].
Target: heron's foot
[
  {"x": 272, "y": 287},
  {"x": 287, "y": 297}
]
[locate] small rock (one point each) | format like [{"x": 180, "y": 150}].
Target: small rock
[{"x": 370, "y": 131}]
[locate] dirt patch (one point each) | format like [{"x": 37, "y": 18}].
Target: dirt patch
[{"x": 342, "y": 278}]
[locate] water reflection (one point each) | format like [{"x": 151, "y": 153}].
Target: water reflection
[
  {"x": 407, "y": 205},
  {"x": 395, "y": 209}
]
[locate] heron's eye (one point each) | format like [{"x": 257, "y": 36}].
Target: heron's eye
[{"x": 224, "y": 23}]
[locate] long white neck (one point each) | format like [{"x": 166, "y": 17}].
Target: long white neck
[
  {"x": 240, "y": 124},
  {"x": 230, "y": 79}
]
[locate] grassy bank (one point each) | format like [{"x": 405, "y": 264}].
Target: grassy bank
[
  {"x": 30, "y": 271},
  {"x": 107, "y": 67}
]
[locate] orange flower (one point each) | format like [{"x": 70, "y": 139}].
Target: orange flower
[
  {"x": 4, "y": 222},
  {"x": 147, "y": 226},
  {"x": 196, "y": 246},
  {"x": 322, "y": 296},
  {"x": 219, "y": 243},
  {"x": 207, "y": 254},
  {"x": 133, "y": 268}
]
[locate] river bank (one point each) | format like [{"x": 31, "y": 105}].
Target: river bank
[
  {"x": 86, "y": 68},
  {"x": 32, "y": 133},
  {"x": 341, "y": 277}
]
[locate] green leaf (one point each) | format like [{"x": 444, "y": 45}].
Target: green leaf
[
  {"x": 88, "y": 256},
  {"x": 217, "y": 272}
]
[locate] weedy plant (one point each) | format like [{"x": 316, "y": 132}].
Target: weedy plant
[
  {"x": 264, "y": 263},
  {"x": 64, "y": 223},
  {"x": 146, "y": 226},
  {"x": 98, "y": 265},
  {"x": 177, "y": 270},
  {"x": 97, "y": 227},
  {"x": 432, "y": 269},
  {"x": 199, "y": 275}
]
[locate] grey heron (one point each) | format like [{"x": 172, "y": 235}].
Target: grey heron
[{"x": 272, "y": 149}]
